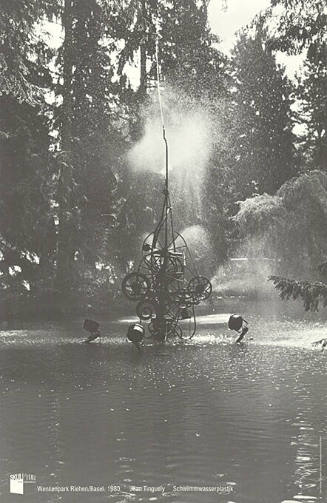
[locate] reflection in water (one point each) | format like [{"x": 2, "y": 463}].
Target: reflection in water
[{"x": 244, "y": 418}]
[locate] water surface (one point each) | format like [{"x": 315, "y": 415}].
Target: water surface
[{"x": 246, "y": 419}]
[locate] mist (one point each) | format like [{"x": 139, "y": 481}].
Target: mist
[{"x": 190, "y": 140}]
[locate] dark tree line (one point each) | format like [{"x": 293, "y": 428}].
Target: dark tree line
[{"x": 72, "y": 211}]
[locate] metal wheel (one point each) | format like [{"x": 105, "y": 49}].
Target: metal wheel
[
  {"x": 200, "y": 288},
  {"x": 135, "y": 286}
]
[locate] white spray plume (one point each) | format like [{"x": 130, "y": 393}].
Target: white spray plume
[
  {"x": 188, "y": 139},
  {"x": 189, "y": 135}
]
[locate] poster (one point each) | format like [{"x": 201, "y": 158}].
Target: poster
[{"x": 163, "y": 203}]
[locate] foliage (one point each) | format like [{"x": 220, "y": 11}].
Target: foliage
[
  {"x": 302, "y": 24},
  {"x": 289, "y": 226},
  {"x": 312, "y": 95},
  {"x": 27, "y": 234},
  {"x": 260, "y": 116},
  {"x": 312, "y": 293},
  {"x": 302, "y": 29},
  {"x": 259, "y": 214},
  {"x": 188, "y": 54},
  {"x": 23, "y": 55}
]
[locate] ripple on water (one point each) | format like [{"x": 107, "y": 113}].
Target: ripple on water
[{"x": 176, "y": 414}]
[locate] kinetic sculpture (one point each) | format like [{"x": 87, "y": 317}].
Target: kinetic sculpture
[{"x": 166, "y": 284}]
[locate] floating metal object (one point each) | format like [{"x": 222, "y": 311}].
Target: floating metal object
[
  {"x": 93, "y": 327},
  {"x": 239, "y": 324},
  {"x": 235, "y": 322},
  {"x": 135, "y": 333}
]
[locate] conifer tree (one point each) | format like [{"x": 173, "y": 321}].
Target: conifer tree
[
  {"x": 88, "y": 141},
  {"x": 261, "y": 117},
  {"x": 27, "y": 234},
  {"x": 312, "y": 96}
]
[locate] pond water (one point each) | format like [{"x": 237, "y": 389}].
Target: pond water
[{"x": 206, "y": 421}]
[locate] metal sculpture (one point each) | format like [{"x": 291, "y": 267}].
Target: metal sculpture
[{"x": 166, "y": 284}]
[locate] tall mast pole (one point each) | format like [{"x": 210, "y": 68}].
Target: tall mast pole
[
  {"x": 166, "y": 190},
  {"x": 166, "y": 186},
  {"x": 163, "y": 293}
]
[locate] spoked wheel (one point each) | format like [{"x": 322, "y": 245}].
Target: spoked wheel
[
  {"x": 135, "y": 286},
  {"x": 200, "y": 288},
  {"x": 152, "y": 267}
]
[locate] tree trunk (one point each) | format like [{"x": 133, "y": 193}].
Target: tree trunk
[
  {"x": 65, "y": 249},
  {"x": 68, "y": 75},
  {"x": 143, "y": 73}
]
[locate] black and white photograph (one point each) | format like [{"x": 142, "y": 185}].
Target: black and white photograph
[{"x": 163, "y": 251}]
